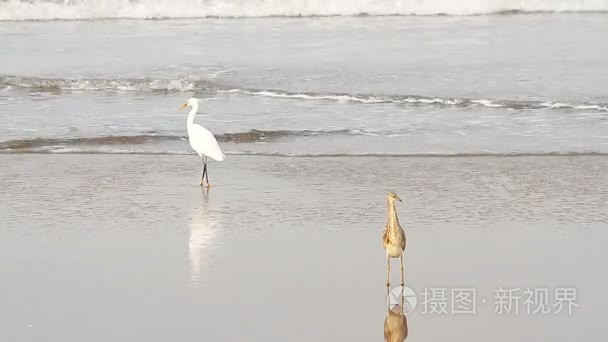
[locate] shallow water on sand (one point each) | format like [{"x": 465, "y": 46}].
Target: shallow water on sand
[{"x": 99, "y": 247}]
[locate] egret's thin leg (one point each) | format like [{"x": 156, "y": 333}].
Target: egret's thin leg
[
  {"x": 388, "y": 271},
  {"x": 207, "y": 173},
  {"x": 204, "y": 171},
  {"x": 402, "y": 281}
]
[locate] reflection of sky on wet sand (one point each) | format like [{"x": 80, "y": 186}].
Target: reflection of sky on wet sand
[
  {"x": 203, "y": 237},
  {"x": 282, "y": 241}
]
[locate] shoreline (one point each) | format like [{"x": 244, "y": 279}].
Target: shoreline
[{"x": 333, "y": 155}]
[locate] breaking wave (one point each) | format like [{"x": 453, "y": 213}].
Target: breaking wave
[
  {"x": 146, "y": 9},
  {"x": 151, "y": 144},
  {"x": 426, "y": 100},
  {"x": 206, "y": 86},
  {"x": 254, "y": 135},
  {"x": 103, "y": 84}
]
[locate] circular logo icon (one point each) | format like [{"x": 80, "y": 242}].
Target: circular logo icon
[{"x": 403, "y": 296}]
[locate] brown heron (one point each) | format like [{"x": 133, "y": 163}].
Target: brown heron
[{"x": 393, "y": 237}]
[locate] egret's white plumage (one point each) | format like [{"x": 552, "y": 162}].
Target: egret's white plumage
[{"x": 201, "y": 139}]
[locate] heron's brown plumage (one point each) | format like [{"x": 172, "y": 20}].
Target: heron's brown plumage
[
  {"x": 393, "y": 235},
  {"x": 393, "y": 238}
]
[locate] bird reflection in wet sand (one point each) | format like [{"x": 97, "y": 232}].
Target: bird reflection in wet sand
[
  {"x": 395, "y": 324},
  {"x": 203, "y": 233}
]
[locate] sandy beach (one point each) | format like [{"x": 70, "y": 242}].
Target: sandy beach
[
  {"x": 129, "y": 248},
  {"x": 488, "y": 118}
]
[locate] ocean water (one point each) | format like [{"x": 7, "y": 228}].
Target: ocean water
[{"x": 304, "y": 78}]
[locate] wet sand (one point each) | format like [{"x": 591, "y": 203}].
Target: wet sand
[{"x": 129, "y": 248}]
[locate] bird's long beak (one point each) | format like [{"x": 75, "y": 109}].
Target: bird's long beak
[
  {"x": 398, "y": 198},
  {"x": 183, "y": 106}
]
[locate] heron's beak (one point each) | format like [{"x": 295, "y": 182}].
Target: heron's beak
[
  {"x": 398, "y": 198},
  {"x": 183, "y": 106}
]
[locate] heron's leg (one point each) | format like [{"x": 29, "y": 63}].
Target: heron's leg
[
  {"x": 388, "y": 298},
  {"x": 388, "y": 271},
  {"x": 402, "y": 282}
]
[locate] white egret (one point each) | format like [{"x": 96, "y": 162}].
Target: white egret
[{"x": 201, "y": 140}]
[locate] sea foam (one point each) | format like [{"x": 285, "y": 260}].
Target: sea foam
[{"x": 142, "y": 9}]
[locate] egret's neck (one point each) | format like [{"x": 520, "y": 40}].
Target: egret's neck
[{"x": 192, "y": 114}]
